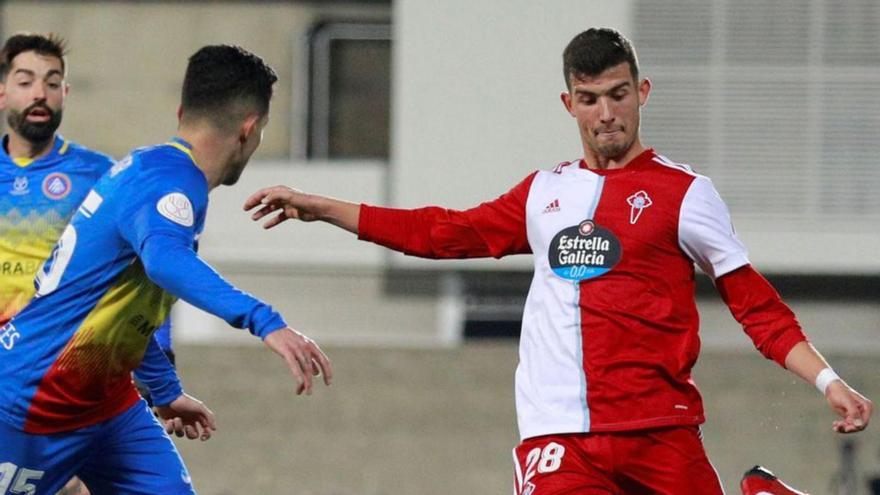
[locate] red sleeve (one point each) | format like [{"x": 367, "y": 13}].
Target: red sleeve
[
  {"x": 495, "y": 228},
  {"x": 767, "y": 320}
]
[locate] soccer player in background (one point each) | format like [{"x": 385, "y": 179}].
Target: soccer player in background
[
  {"x": 67, "y": 402},
  {"x": 45, "y": 177},
  {"x": 605, "y": 399}
]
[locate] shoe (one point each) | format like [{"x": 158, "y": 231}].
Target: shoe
[{"x": 760, "y": 481}]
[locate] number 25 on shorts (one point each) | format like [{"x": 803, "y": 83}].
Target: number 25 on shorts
[{"x": 22, "y": 484}]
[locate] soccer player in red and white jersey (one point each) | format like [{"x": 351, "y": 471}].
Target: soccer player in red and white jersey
[{"x": 605, "y": 399}]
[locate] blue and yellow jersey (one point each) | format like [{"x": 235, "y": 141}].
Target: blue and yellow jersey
[
  {"x": 37, "y": 199},
  {"x": 109, "y": 283}
]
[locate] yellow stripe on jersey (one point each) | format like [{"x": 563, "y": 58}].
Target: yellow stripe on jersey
[
  {"x": 183, "y": 149},
  {"x": 63, "y": 148},
  {"x": 22, "y": 161},
  {"x": 114, "y": 335}
]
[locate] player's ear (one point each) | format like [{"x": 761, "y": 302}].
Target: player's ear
[
  {"x": 644, "y": 90},
  {"x": 2, "y": 95},
  {"x": 565, "y": 96},
  {"x": 179, "y": 113},
  {"x": 250, "y": 125}
]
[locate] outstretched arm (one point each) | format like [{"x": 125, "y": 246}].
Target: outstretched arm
[
  {"x": 171, "y": 263},
  {"x": 299, "y": 205},
  {"x": 495, "y": 228}
]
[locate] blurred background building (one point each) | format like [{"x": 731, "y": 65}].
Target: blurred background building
[{"x": 452, "y": 102}]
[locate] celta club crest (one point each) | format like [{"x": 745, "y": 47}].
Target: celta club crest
[{"x": 637, "y": 203}]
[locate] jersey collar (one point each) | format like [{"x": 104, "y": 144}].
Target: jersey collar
[
  {"x": 182, "y": 145},
  {"x": 638, "y": 161},
  {"x": 59, "y": 148}
]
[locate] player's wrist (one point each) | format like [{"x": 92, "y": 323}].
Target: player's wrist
[{"x": 825, "y": 378}]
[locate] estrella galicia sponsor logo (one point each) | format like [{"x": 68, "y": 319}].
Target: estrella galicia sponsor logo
[
  {"x": 56, "y": 185},
  {"x": 20, "y": 186},
  {"x": 583, "y": 251},
  {"x": 8, "y": 336}
]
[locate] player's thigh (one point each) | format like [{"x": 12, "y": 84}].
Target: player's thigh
[
  {"x": 668, "y": 461},
  {"x": 31, "y": 464},
  {"x": 561, "y": 465},
  {"x": 136, "y": 457}
]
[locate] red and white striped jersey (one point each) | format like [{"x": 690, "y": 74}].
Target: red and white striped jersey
[{"x": 610, "y": 326}]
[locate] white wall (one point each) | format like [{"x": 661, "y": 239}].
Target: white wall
[{"x": 476, "y": 107}]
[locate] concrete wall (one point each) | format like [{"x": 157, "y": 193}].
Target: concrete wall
[{"x": 127, "y": 60}]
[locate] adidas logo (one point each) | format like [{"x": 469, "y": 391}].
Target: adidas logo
[{"x": 552, "y": 207}]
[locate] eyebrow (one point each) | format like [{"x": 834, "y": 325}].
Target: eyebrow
[
  {"x": 579, "y": 91},
  {"x": 28, "y": 72}
]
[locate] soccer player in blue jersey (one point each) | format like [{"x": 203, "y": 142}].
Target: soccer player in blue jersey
[
  {"x": 43, "y": 175},
  {"x": 67, "y": 404}
]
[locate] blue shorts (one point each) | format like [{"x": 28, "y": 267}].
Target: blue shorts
[{"x": 128, "y": 454}]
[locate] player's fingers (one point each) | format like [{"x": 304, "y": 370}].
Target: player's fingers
[
  {"x": 208, "y": 419},
  {"x": 262, "y": 212},
  {"x": 324, "y": 363},
  {"x": 257, "y": 197},
  {"x": 169, "y": 426},
  {"x": 177, "y": 426},
  {"x": 305, "y": 364},
  {"x": 280, "y": 217},
  {"x": 853, "y": 415},
  {"x": 206, "y": 429},
  {"x": 278, "y": 195},
  {"x": 191, "y": 432},
  {"x": 866, "y": 407},
  {"x": 293, "y": 364}
]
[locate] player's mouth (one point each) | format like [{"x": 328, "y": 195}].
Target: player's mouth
[
  {"x": 39, "y": 114},
  {"x": 608, "y": 133}
]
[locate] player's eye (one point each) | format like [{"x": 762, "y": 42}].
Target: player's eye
[{"x": 54, "y": 85}]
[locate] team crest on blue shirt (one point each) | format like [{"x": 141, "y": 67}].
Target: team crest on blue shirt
[
  {"x": 583, "y": 251},
  {"x": 56, "y": 185}
]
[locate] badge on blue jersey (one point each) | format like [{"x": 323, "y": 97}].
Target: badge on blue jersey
[
  {"x": 583, "y": 251},
  {"x": 56, "y": 185}
]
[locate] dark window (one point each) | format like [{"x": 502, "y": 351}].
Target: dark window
[{"x": 349, "y": 90}]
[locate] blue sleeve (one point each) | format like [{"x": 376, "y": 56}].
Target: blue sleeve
[
  {"x": 163, "y": 335},
  {"x": 172, "y": 264},
  {"x": 163, "y": 203},
  {"x": 157, "y": 373}
]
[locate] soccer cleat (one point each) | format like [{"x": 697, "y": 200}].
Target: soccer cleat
[{"x": 760, "y": 481}]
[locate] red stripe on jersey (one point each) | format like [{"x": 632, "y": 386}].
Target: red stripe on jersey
[
  {"x": 79, "y": 390},
  {"x": 639, "y": 321}
]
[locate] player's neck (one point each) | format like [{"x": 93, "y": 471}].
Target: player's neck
[
  {"x": 19, "y": 147},
  {"x": 599, "y": 162},
  {"x": 210, "y": 151}
]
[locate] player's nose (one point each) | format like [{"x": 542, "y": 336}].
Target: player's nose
[{"x": 605, "y": 113}]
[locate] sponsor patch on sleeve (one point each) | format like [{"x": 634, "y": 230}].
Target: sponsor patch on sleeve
[{"x": 177, "y": 208}]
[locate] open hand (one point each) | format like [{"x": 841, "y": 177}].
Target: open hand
[{"x": 302, "y": 355}]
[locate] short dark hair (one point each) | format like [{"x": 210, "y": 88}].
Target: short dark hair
[
  {"x": 595, "y": 51},
  {"x": 223, "y": 82},
  {"x": 44, "y": 44}
]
